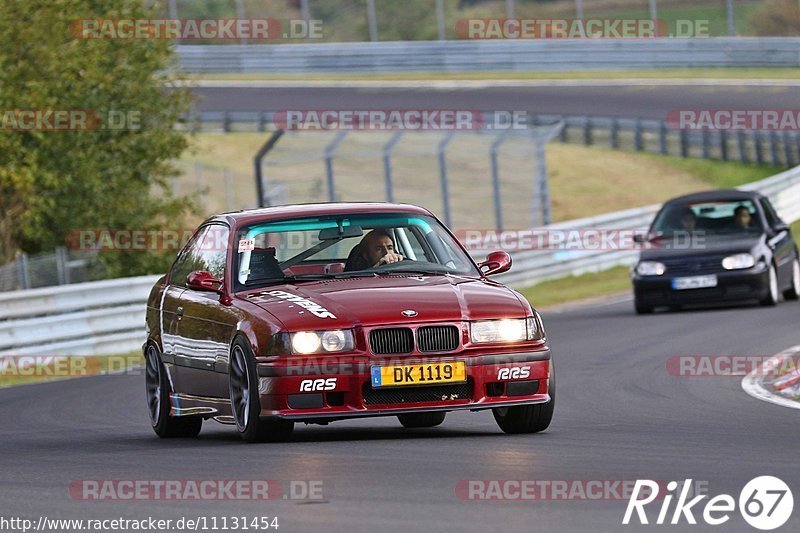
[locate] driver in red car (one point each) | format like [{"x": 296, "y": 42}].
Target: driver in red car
[{"x": 375, "y": 249}]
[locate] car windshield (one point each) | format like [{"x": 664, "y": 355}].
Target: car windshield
[
  {"x": 346, "y": 246},
  {"x": 710, "y": 218}
]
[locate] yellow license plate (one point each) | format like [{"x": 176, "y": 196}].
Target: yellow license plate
[{"x": 419, "y": 374}]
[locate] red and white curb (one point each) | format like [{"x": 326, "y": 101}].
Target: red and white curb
[{"x": 763, "y": 385}]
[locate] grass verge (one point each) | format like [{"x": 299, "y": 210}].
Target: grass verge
[
  {"x": 19, "y": 370},
  {"x": 590, "y": 285}
]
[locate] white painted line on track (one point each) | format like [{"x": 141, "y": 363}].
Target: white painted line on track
[{"x": 754, "y": 386}]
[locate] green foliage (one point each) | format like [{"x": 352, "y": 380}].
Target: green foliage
[
  {"x": 777, "y": 18},
  {"x": 53, "y": 182}
]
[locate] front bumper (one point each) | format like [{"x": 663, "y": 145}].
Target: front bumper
[
  {"x": 351, "y": 394},
  {"x": 732, "y": 286}
]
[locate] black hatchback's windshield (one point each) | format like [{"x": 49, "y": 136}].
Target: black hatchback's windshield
[
  {"x": 710, "y": 218},
  {"x": 346, "y": 246}
]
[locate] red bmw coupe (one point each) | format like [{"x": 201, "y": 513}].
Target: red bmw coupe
[{"x": 323, "y": 312}]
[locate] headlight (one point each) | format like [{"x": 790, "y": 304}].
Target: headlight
[
  {"x": 650, "y": 268},
  {"x": 737, "y": 261},
  {"x": 335, "y": 340},
  {"x": 506, "y": 330}
]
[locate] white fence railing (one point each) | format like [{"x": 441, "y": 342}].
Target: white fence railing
[
  {"x": 493, "y": 55},
  {"x": 107, "y": 317}
]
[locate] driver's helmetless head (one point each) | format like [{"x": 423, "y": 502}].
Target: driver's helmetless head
[
  {"x": 742, "y": 216},
  {"x": 376, "y": 244}
]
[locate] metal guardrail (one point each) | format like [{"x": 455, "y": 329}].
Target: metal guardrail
[
  {"x": 107, "y": 317},
  {"x": 493, "y": 55},
  {"x": 98, "y": 317}
]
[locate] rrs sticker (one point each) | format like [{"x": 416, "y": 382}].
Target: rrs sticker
[
  {"x": 517, "y": 372},
  {"x": 311, "y": 385}
]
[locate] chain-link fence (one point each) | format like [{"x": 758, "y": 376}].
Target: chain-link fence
[{"x": 60, "y": 267}]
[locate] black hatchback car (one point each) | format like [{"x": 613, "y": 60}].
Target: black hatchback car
[{"x": 716, "y": 247}]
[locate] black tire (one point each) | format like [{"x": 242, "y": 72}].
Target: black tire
[
  {"x": 793, "y": 292},
  {"x": 421, "y": 420},
  {"x": 245, "y": 405},
  {"x": 640, "y": 308},
  {"x": 157, "y": 389},
  {"x": 528, "y": 418},
  {"x": 773, "y": 294}
]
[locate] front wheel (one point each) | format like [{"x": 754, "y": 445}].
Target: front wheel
[
  {"x": 640, "y": 308},
  {"x": 157, "y": 390},
  {"x": 793, "y": 292},
  {"x": 245, "y": 405},
  {"x": 421, "y": 420},
  {"x": 528, "y": 418},
  {"x": 771, "y": 299}
]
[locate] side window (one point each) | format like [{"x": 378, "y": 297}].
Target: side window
[
  {"x": 207, "y": 251},
  {"x": 186, "y": 260}
]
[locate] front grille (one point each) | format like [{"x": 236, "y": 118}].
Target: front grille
[
  {"x": 402, "y": 395},
  {"x": 694, "y": 266},
  {"x": 437, "y": 338},
  {"x": 391, "y": 341}
]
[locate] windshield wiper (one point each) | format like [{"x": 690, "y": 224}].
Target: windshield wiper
[{"x": 286, "y": 279}]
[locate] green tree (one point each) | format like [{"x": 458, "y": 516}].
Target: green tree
[{"x": 55, "y": 182}]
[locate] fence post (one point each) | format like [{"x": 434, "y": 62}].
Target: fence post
[
  {"x": 613, "y": 135},
  {"x": 23, "y": 272},
  {"x": 706, "y": 140},
  {"x": 742, "y": 146},
  {"x": 662, "y": 138},
  {"x": 329, "y": 163},
  {"x": 637, "y": 135},
  {"x": 443, "y": 176},
  {"x": 226, "y": 121},
  {"x": 757, "y": 143},
  {"x": 372, "y": 21},
  {"x": 61, "y": 265},
  {"x": 440, "y": 20},
  {"x": 787, "y": 149},
  {"x": 387, "y": 164},
  {"x": 723, "y": 144},
  {"x": 587, "y": 131},
  {"x": 498, "y": 209},
  {"x": 542, "y": 188},
  {"x": 773, "y": 148},
  {"x": 563, "y": 133},
  {"x": 259, "y": 157},
  {"x": 684, "y": 144}
]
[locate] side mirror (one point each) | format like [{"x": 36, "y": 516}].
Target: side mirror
[
  {"x": 496, "y": 262},
  {"x": 202, "y": 280},
  {"x": 779, "y": 227},
  {"x": 639, "y": 238}
]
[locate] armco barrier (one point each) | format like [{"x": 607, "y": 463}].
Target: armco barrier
[
  {"x": 107, "y": 317},
  {"x": 493, "y": 55}
]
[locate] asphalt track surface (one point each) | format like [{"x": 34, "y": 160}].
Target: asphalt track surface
[
  {"x": 641, "y": 100},
  {"x": 619, "y": 416}
]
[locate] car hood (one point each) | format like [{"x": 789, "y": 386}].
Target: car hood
[
  {"x": 709, "y": 246},
  {"x": 336, "y": 303}
]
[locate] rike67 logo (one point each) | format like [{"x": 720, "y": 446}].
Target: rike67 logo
[{"x": 766, "y": 503}]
